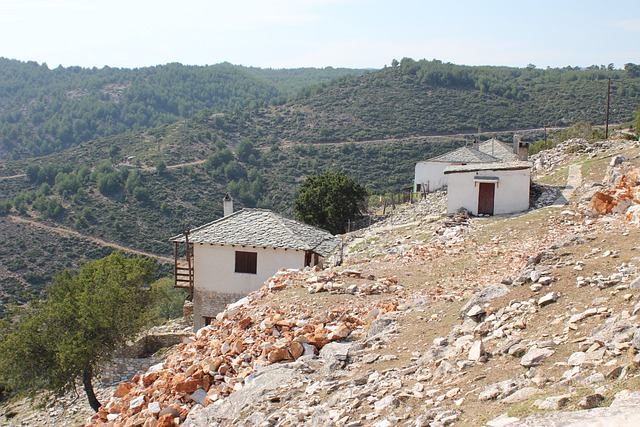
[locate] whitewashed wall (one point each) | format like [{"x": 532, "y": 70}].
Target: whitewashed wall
[
  {"x": 214, "y": 267},
  {"x": 511, "y": 195},
  {"x": 431, "y": 173},
  {"x": 216, "y": 283}
]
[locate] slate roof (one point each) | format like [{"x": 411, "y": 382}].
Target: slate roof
[
  {"x": 477, "y": 167},
  {"x": 501, "y": 150},
  {"x": 263, "y": 228},
  {"x": 465, "y": 155}
]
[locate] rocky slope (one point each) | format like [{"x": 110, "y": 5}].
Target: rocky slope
[{"x": 432, "y": 321}]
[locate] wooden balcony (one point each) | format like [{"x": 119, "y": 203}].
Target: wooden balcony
[{"x": 183, "y": 266}]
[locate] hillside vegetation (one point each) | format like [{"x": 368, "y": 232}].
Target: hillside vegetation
[
  {"x": 137, "y": 188},
  {"x": 44, "y": 111}
]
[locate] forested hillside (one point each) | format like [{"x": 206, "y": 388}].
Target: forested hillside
[
  {"x": 431, "y": 97},
  {"x": 140, "y": 187},
  {"x": 43, "y": 111}
]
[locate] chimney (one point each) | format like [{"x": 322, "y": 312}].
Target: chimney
[
  {"x": 227, "y": 205},
  {"x": 520, "y": 148}
]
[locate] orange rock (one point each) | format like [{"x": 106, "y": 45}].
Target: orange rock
[
  {"x": 135, "y": 421},
  {"x": 602, "y": 203},
  {"x": 243, "y": 323},
  {"x": 319, "y": 339},
  {"x": 302, "y": 339},
  {"x": 237, "y": 347},
  {"x": 191, "y": 370},
  {"x": 245, "y": 373},
  {"x": 206, "y": 382},
  {"x": 296, "y": 349},
  {"x": 102, "y": 414},
  {"x": 216, "y": 363},
  {"x": 149, "y": 378},
  {"x": 198, "y": 375},
  {"x": 279, "y": 354},
  {"x": 188, "y": 386},
  {"x": 341, "y": 332},
  {"x": 122, "y": 389},
  {"x": 166, "y": 421}
]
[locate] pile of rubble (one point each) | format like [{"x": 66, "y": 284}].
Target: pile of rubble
[
  {"x": 622, "y": 195},
  {"x": 335, "y": 283},
  {"x": 225, "y": 356},
  {"x": 550, "y": 160}
]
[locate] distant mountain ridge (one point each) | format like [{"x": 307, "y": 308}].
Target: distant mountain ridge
[{"x": 44, "y": 111}]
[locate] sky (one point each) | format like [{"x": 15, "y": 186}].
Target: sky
[{"x": 320, "y": 33}]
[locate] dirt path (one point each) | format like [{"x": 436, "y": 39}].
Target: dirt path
[
  {"x": 574, "y": 180},
  {"x": 20, "y": 175},
  {"x": 67, "y": 232},
  {"x": 432, "y": 137},
  {"x": 195, "y": 162}
]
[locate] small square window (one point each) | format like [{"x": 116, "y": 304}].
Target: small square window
[{"x": 246, "y": 262}]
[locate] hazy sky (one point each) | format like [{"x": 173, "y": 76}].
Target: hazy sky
[{"x": 320, "y": 33}]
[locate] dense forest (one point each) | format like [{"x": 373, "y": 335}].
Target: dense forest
[
  {"x": 137, "y": 179},
  {"x": 44, "y": 111}
]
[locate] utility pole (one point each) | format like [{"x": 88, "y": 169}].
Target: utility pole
[{"x": 606, "y": 126}]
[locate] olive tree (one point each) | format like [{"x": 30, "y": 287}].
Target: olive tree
[{"x": 86, "y": 315}]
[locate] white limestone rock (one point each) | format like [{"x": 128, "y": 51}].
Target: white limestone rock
[{"x": 535, "y": 356}]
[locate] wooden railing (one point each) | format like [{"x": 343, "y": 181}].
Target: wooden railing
[{"x": 183, "y": 267}]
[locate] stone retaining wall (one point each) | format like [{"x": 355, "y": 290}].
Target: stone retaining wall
[
  {"x": 149, "y": 344},
  {"x": 123, "y": 369},
  {"x": 134, "y": 359},
  {"x": 209, "y": 303}
]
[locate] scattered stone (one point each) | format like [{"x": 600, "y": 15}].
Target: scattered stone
[
  {"x": 591, "y": 401},
  {"x": 549, "y": 298},
  {"x": 477, "y": 352},
  {"x": 502, "y": 421},
  {"x": 499, "y": 390},
  {"x": 535, "y": 356},
  {"x": 614, "y": 373},
  {"x": 577, "y": 358},
  {"x": 484, "y": 295},
  {"x": 522, "y": 394},
  {"x": 553, "y": 403},
  {"x": 475, "y": 311}
]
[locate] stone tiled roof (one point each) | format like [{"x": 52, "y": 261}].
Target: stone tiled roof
[
  {"x": 263, "y": 228},
  {"x": 477, "y": 167},
  {"x": 503, "y": 151},
  {"x": 465, "y": 155}
]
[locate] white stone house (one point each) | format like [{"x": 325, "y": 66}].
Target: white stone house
[
  {"x": 429, "y": 174},
  {"x": 489, "y": 188},
  {"x": 232, "y": 256}
]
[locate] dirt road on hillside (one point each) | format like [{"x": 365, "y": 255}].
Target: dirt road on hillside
[{"x": 67, "y": 232}]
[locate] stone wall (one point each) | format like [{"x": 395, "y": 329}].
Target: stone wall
[
  {"x": 209, "y": 303},
  {"x": 135, "y": 358},
  {"x": 149, "y": 344},
  {"x": 124, "y": 368}
]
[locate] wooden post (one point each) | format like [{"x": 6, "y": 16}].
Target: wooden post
[
  {"x": 189, "y": 265},
  {"x": 175, "y": 264},
  {"x": 606, "y": 126}
]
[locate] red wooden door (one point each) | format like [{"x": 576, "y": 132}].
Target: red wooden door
[{"x": 486, "y": 195}]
